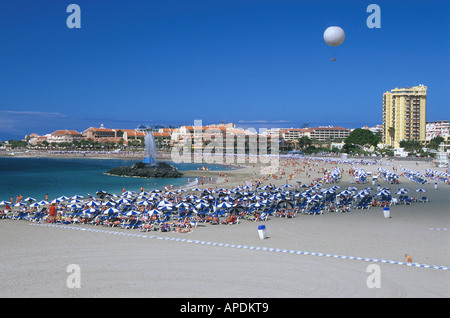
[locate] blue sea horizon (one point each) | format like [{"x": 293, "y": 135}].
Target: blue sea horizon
[{"x": 37, "y": 177}]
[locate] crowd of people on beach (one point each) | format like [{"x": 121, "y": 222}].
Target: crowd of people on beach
[{"x": 258, "y": 199}]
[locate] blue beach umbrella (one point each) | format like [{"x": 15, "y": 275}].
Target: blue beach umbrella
[
  {"x": 402, "y": 191},
  {"x": 183, "y": 205},
  {"x": 328, "y": 191},
  {"x": 133, "y": 213},
  {"x": 316, "y": 197},
  {"x": 154, "y": 211},
  {"x": 383, "y": 193},
  {"x": 108, "y": 203},
  {"x": 91, "y": 210},
  {"x": 122, "y": 201},
  {"x": 364, "y": 192},
  {"x": 110, "y": 211},
  {"x": 93, "y": 203},
  {"x": 166, "y": 207},
  {"x": 164, "y": 203},
  {"x": 224, "y": 205},
  {"x": 74, "y": 206},
  {"x": 257, "y": 205},
  {"x": 201, "y": 205}
]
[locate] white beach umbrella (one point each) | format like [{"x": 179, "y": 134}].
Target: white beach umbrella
[
  {"x": 364, "y": 192},
  {"x": 110, "y": 211},
  {"x": 154, "y": 212},
  {"x": 201, "y": 205},
  {"x": 133, "y": 213},
  {"x": 224, "y": 205},
  {"x": 74, "y": 206},
  {"x": 166, "y": 207},
  {"x": 108, "y": 203},
  {"x": 328, "y": 191},
  {"x": 421, "y": 190},
  {"x": 122, "y": 201},
  {"x": 164, "y": 203},
  {"x": 93, "y": 203},
  {"x": 316, "y": 197},
  {"x": 383, "y": 192},
  {"x": 4, "y": 202},
  {"x": 183, "y": 205},
  {"x": 402, "y": 190}
]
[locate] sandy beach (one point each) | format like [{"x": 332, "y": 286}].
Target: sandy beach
[{"x": 315, "y": 256}]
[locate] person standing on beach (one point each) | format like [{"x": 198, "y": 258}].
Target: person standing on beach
[
  {"x": 408, "y": 258},
  {"x": 52, "y": 211}
]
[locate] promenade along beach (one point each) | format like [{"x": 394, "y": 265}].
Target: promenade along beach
[{"x": 320, "y": 237}]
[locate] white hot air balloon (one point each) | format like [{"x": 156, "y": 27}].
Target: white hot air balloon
[{"x": 334, "y": 36}]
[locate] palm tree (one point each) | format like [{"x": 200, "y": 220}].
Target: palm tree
[
  {"x": 391, "y": 132},
  {"x": 304, "y": 142}
]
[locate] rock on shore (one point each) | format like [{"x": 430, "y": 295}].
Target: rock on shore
[{"x": 142, "y": 170}]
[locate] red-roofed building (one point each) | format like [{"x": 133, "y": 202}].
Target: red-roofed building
[
  {"x": 60, "y": 136},
  {"x": 35, "y": 139},
  {"x": 108, "y": 134}
]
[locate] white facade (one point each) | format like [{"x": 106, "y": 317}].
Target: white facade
[{"x": 437, "y": 128}]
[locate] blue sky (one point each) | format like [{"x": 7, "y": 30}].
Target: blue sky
[{"x": 256, "y": 63}]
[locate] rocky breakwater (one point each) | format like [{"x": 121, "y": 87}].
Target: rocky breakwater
[{"x": 145, "y": 170}]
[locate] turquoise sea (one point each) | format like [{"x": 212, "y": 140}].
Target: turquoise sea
[{"x": 36, "y": 177}]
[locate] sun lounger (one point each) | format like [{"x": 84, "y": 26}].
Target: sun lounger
[{"x": 147, "y": 226}]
